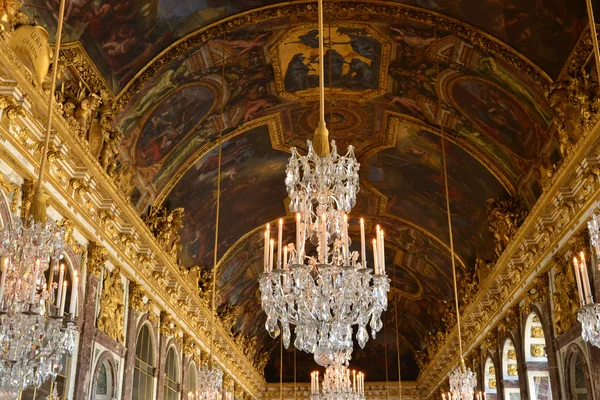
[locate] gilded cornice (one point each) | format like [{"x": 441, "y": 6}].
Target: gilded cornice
[
  {"x": 84, "y": 193},
  {"x": 520, "y": 270},
  {"x": 295, "y": 11}
]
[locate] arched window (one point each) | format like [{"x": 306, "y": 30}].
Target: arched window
[
  {"x": 578, "y": 378},
  {"x": 171, "y": 376},
  {"x": 490, "y": 379},
  {"x": 538, "y": 377},
  {"x": 143, "y": 373},
  {"x": 191, "y": 380},
  {"x": 510, "y": 372},
  {"x": 104, "y": 383}
]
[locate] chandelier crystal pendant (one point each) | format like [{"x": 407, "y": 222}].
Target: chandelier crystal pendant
[
  {"x": 339, "y": 383},
  {"x": 35, "y": 330},
  {"x": 324, "y": 294},
  {"x": 463, "y": 382},
  {"x": 210, "y": 382}
]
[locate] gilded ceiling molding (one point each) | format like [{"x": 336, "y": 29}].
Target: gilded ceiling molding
[
  {"x": 274, "y": 123},
  {"x": 579, "y": 57},
  {"x": 74, "y": 56},
  {"x": 294, "y": 10}
]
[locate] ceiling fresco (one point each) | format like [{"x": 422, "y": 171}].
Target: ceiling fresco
[
  {"x": 250, "y": 170},
  {"x": 395, "y": 85},
  {"x": 123, "y": 36},
  {"x": 410, "y": 176},
  {"x": 394, "y": 88}
]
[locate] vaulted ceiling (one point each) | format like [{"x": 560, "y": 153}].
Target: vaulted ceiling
[{"x": 400, "y": 75}]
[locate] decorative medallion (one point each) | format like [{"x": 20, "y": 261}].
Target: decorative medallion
[{"x": 356, "y": 61}]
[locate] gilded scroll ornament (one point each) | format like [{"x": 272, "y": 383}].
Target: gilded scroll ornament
[
  {"x": 165, "y": 226},
  {"x": 97, "y": 256},
  {"x": 169, "y": 327},
  {"x": 112, "y": 308},
  {"x": 576, "y": 102},
  {"x": 69, "y": 227},
  {"x": 11, "y": 109},
  {"x": 564, "y": 297},
  {"x": 227, "y": 314},
  {"x": 504, "y": 217},
  {"x": 492, "y": 383},
  {"x": 512, "y": 370},
  {"x": 10, "y": 187},
  {"x": 512, "y": 354}
]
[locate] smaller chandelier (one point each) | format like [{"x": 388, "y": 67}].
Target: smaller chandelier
[
  {"x": 463, "y": 382},
  {"x": 210, "y": 383},
  {"x": 339, "y": 383},
  {"x": 589, "y": 313},
  {"x": 35, "y": 330}
]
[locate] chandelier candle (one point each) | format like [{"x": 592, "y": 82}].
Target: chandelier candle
[{"x": 589, "y": 314}]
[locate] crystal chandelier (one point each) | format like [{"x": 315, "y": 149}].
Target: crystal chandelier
[
  {"x": 210, "y": 382},
  {"x": 339, "y": 383},
  {"x": 35, "y": 330},
  {"x": 324, "y": 295},
  {"x": 463, "y": 382}
]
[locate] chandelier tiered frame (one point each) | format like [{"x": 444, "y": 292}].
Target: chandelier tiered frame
[
  {"x": 35, "y": 329},
  {"x": 325, "y": 294},
  {"x": 339, "y": 383}
]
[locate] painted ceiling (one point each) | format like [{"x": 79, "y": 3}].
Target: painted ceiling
[{"x": 395, "y": 86}]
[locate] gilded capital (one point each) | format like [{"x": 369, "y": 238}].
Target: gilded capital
[{"x": 97, "y": 256}]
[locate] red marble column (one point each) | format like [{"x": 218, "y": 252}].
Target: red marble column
[
  {"x": 86, "y": 338},
  {"x": 126, "y": 389}
]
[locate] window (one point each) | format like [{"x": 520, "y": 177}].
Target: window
[
  {"x": 191, "y": 379},
  {"x": 171, "y": 380},
  {"x": 535, "y": 354},
  {"x": 143, "y": 373},
  {"x": 104, "y": 382},
  {"x": 510, "y": 372},
  {"x": 578, "y": 378},
  {"x": 490, "y": 379}
]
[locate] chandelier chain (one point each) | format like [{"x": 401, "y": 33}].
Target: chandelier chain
[
  {"x": 396, "y": 298},
  {"x": 441, "y": 122},
  {"x": 61, "y": 14},
  {"x": 321, "y": 65}
]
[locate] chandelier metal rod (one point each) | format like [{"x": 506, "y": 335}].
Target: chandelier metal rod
[
  {"x": 38, "y": 206},
  {"x": 397, "y": 339},
  {"x": 592, "y": 22},
  {"x": 321, "y": 65},
  {"x": 218, "y": 205},
  {"x": 441, "y": 122}
]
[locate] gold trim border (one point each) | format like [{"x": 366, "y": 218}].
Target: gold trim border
[{"x": 462, "y": 30}]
